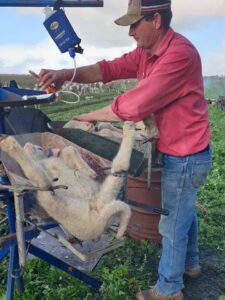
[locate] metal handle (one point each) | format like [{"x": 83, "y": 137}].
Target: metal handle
[{"x": 148, "y": 207}]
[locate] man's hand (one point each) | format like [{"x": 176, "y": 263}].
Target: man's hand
[{"x": 54, "y": 78}]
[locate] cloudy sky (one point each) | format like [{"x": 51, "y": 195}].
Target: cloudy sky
[{"x": 25, "y": 44}]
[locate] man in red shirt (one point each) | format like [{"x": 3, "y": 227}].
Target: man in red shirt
[{"x": 170, "y": 86}]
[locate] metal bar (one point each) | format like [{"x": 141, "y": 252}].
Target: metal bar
[
  {"x": 30, "y": 233},
  {"x": 149, "y": 168},
  {"x": 148, "y": 207},
  {"x": 54, "y": 261},
  {"x": 93, "y": 254},
  {"x": 26, "y": 188},
  {"x": 43, "y": 3},
  {"x": 10, "y": 280},
  {"x": 14, "y": 274},
  {"x": 19, "y": 210}
]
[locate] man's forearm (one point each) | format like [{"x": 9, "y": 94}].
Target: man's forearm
[
  {"x": 87, "y": 74},
  {"x": 102, "y": 115}
]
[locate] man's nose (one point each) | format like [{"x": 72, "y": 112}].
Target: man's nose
[{"x": 131, "y": 31}]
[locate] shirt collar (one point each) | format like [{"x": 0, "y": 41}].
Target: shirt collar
[{"x": 165, "y": 42}]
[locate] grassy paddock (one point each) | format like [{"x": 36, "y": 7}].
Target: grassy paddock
[{"x": 134, "y": 266}]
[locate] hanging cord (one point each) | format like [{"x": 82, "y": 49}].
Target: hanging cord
[{"x": 69, "y": 92}]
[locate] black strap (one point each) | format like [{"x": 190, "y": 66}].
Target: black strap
[
  {"x": 119, "y": 174},
  {"x": 148, "y": 207}
]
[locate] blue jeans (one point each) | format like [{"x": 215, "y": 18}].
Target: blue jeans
[{"x": 181, "y": 179}]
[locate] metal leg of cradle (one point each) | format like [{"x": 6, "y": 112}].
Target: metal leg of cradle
[{"x": 14, "y": 274}]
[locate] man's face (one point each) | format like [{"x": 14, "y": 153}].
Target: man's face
[{"x": 146, "y": 33}]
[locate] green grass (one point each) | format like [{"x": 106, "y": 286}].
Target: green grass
[
  {"x": 134, "y": 266},
  {"x": 60, "y": 111},
  {"x": 212, "y": 194}
]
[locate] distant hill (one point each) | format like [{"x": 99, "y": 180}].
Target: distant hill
[
  {"x": 214, "y": 85},
  {"x": 24, "y": 81}
]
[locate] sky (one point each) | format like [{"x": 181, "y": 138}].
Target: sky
[{"x": 25, "y": 44}]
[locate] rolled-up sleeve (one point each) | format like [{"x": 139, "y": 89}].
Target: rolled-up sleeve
[
  {"x": 165, "y": 83},
  {"x": 124, "y": 67}
]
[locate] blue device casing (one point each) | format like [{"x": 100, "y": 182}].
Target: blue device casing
[{"x": 61, "y": 31}]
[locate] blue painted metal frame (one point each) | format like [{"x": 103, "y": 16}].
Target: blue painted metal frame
[
  {"x": 14, "y": 275},
  {"x": 43, "y": 3},
  {"x": 54, "y": 261},
  {"x": 10, "y": 247}
]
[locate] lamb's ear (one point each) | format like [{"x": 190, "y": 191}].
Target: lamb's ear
[{"x": 56, "y": 152}]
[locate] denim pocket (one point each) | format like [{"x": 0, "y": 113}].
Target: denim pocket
[{"x": 200, "y": 171}]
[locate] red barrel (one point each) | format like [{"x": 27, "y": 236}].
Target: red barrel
[{"x": 143, "y": 224}]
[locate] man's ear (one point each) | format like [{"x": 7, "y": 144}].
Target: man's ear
[{"x": 157, "y": 21}]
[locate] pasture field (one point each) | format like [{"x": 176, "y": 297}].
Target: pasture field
[{"x": 126, "y": 270}]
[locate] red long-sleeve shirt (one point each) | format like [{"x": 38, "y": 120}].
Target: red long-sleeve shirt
[{"x": 170, "y": 85}]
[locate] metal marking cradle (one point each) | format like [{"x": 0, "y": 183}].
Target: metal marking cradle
[
  {"x": 12, "y": 198},
  {"x": 12, "y": 185},
  {"x": 13, "y": 188}
]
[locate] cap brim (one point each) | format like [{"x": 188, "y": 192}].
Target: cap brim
[{"x": 127, "y": 20}]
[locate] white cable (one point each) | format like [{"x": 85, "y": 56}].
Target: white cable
[{"x": 68, "y": 92}]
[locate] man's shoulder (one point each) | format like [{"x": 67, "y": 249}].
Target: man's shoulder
[
  {"x": 181, "y": 41},
  {"x": 181, "y": 46}
]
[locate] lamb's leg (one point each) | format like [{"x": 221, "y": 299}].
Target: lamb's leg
[
  {"x": 122, "y": 160},
  {"x": 32, "y": 169},
  {"x": 109, "y": 126},
  {"x": 73, "y": 160},
  {"x": 111, "y": 209},
  {"x": 112, "y": 184}
]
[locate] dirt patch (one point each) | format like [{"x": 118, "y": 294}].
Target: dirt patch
[{"x": 211, "y": 284}]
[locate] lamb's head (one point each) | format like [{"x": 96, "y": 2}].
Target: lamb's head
[
  {"x": 151, "y": 127},
  {"x": 34, "y": 151}
]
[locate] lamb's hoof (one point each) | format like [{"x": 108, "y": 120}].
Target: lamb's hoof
[
  {"x": 73, "y": 240},
  {"x": 3, "y": 137},
  {"x": 69, "y": 150},
  {"x": 128, "y": 127},
  {"x": 9, "y": 143}
]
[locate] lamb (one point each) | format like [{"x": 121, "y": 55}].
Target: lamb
[
  {"x": 146, "y": 129},
  {"x": 85, "y": 208}
]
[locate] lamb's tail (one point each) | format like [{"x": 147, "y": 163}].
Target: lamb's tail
[{"x": 113, "y": 208}]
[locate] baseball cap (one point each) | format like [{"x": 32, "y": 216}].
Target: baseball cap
[{"x": 138, "y": 9}]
